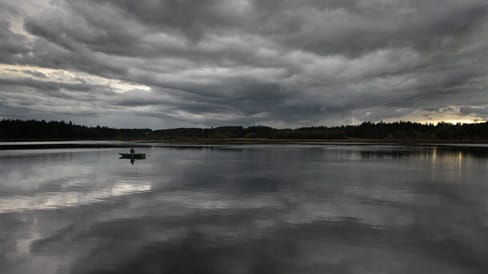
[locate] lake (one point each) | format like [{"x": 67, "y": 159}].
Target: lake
[{"x": 294, "y": 208}]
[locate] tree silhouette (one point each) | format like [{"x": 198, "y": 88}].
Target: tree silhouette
[{"x": 403, "y": 130}]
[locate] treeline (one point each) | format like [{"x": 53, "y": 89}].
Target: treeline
[
  {"x": 250, "y": 132},
  {"x": 39, "y": 130},
  {"x": 367, "y": 130},
  {"x": 22, "y": 130}
]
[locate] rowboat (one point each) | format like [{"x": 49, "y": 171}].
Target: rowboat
[{"x": 137, "y": 156}]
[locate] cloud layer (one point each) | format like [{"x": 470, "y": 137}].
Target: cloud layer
[{"x": 214, "y": 62}]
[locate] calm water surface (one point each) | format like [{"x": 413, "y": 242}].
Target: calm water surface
[{"x": 245, "y": 209}]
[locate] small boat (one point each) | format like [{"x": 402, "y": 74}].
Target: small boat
[{"x": 136, "y": 156}]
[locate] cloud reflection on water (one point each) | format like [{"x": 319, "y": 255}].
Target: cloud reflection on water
[
  {"x": 53, "y": 200},
  {"x": 257, "y": 209}
]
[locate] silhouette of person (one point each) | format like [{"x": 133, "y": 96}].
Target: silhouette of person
[{"x": 132, "y": 151}]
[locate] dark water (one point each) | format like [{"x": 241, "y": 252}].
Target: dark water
[{"x": 245, "y": 209}]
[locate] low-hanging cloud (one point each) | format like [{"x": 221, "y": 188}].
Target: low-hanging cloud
[{"x": 281, "y": 62}]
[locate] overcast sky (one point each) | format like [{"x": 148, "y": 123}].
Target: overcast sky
[{"x": 290, "y": 63}]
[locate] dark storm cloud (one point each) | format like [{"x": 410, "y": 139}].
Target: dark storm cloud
[
  {"x": 12, "y": 45},
  {"x": 277, "y": 62},
  {"x": 45, "y": 86},
  {"x": 188, "y": 17},
  {"x": 370, "y": 25}
]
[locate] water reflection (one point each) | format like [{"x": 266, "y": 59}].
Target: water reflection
[
  {"x": 246, "y": 209},
  {"x": 52, "y": 200}
]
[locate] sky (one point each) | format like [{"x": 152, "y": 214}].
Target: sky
[{"x": 182, "y": 63}]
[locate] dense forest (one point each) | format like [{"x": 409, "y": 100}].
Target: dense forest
[{"x": 41, "y": 130}]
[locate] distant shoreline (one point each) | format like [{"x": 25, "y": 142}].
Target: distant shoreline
[
  {"x": 367, "y": 132},
  {"x": 117, "y": 143}
]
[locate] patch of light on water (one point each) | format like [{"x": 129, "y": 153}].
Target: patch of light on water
[{"x": 52, "y": 200}]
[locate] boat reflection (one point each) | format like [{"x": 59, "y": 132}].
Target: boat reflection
[{"x": 132, "y": 156}]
